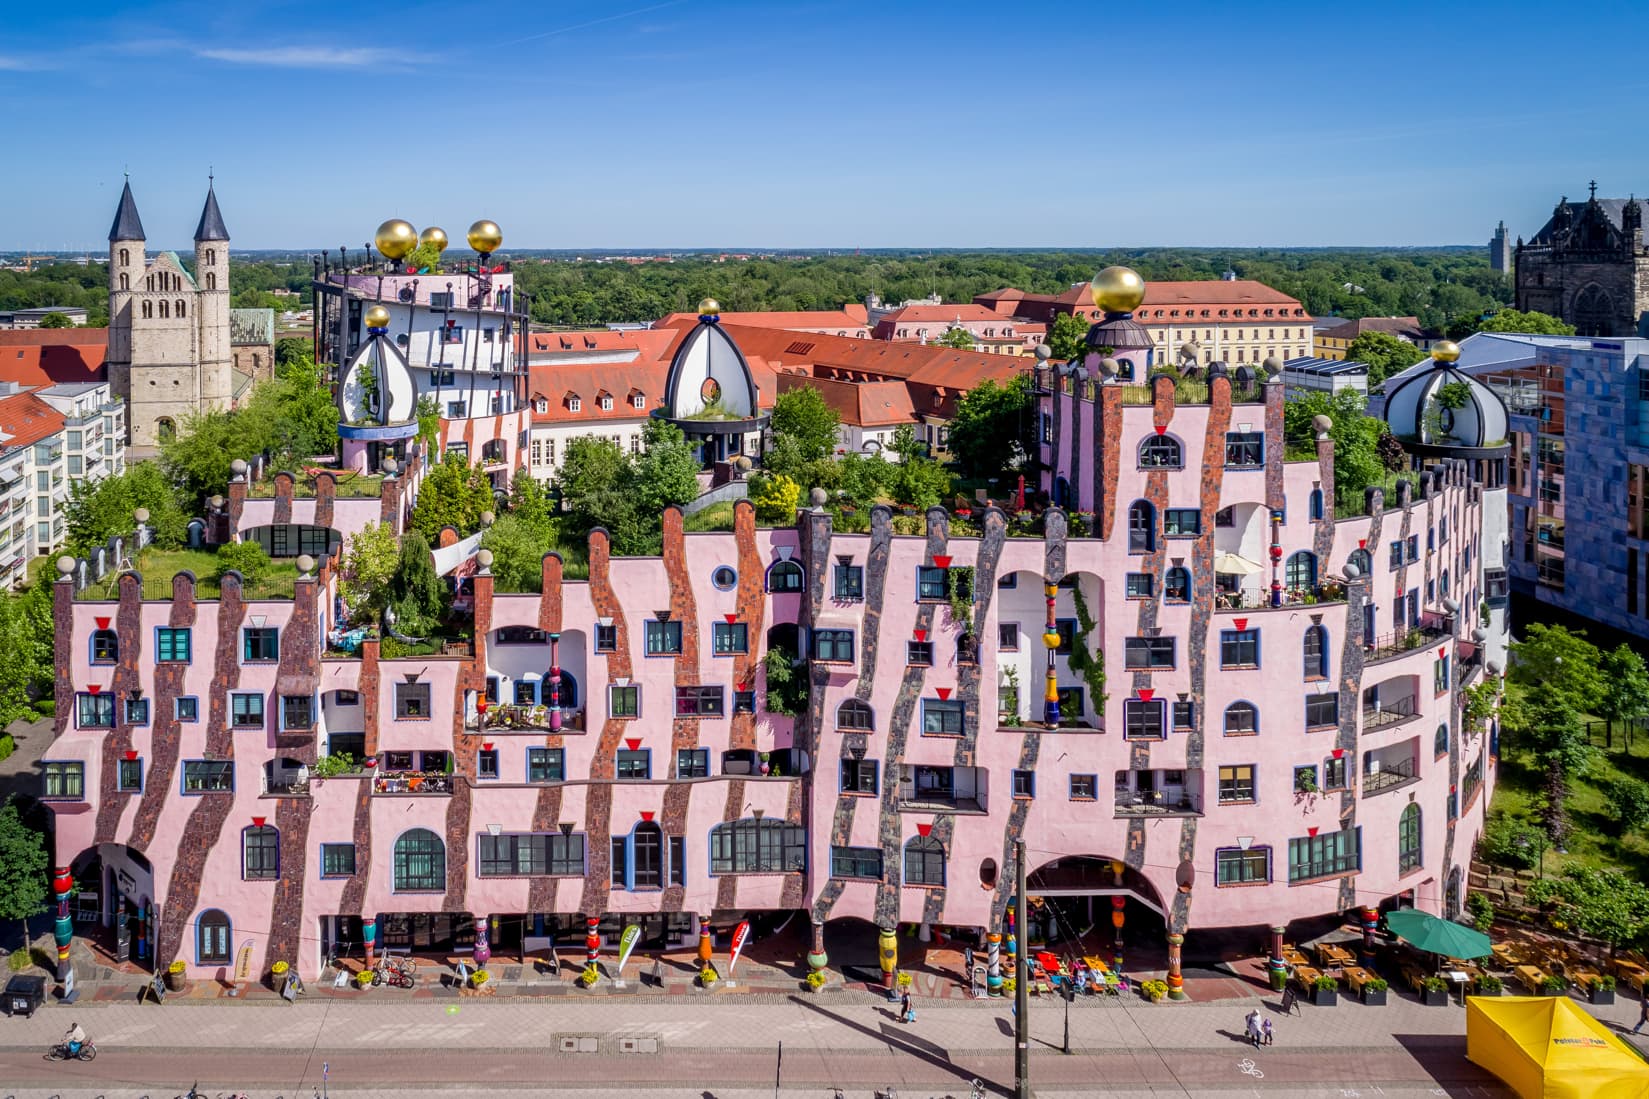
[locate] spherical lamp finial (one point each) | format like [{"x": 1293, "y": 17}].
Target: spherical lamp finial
[
  {"x": 377, "y": 319},
  {"x": 1445, "y": 351},
  {"x": 1043, "y": 352},
  {"x": 488, "y": 518},
  {"x": 1273, "y": 365},
  {"x": 65, "y": 565},
  {"x": 1108, "y": 368},
  {"x": 709, "y": 307},
  {"x": 483, "y": 560},
  {"x": 238, "y": 467},
  {"x": 396, "y": 238},
  {"x": 1117, "y": 290},
  {"x": 434, "y": 235},
  {"x": 1321, "y": 423},
  {"x": 306, "y": 564},
  {"x": 141, "y": 515},
  {"x": 485, "y": 236},
  {"x": 817, "y": 497}
]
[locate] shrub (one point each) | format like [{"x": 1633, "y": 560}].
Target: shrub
[
  {"x": 7, "y": 745},
  {"x": 1481, "y": 909},
  {"x": 1325, "y": 983},
  {"x": 480, "y": 977},
  {"x": 1376, "y": 984},
  {"x": 708, "y": 976},
  {"x": 1435, "y": 984},
  {"x": 176, "y": 966},
  {"x": 279, "y": 969},
  {"x": 1153, "y": 990},
  {"x": 17, "y": 961},
  {"x": 335, "y": 763},
  {"x": 246, "y": 558},
  {"x": 1510, "y": 842},
  {"x": 1605, "y": 983},
  {"x": 1553, "y": 983},
  {"x": 904, "y": 980},
  {"x": 364, "y": 978},
  {"x": 816, "y": 978},
  {"x": 590, "y": 976},
  {"x": 46, "y": 707},
  {"x": 1488, "y": 982},
  {"x": 776, "y": 498}
]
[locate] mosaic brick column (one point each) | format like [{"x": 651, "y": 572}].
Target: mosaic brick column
[
  {"x": 1279, "y": 968},
  {"x": 62, "y": 883},
  {"x": 817, "y": 959},
  {"x": 993, "y": 963},
  {"x": 1176, "y": 979}
]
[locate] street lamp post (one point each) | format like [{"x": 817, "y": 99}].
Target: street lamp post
[{"x": 1021, "y": 988}]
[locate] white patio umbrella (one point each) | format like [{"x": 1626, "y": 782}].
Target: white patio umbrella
[{"x": 1232, "y": 564}]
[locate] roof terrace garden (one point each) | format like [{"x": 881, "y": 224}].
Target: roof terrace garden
[
  {"x": 158, "y": 567},
  {"x": 349, "y": 484}
]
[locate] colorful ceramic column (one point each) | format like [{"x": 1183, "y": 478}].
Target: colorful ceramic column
[
  {"x": 888, "y": 942},
  {"x": 1276, "y": 558},
  {"x": 62, "y": 884},
  {"x": 142, "y": 931},
  {"x": 483, "y": 946},
  {"x": 1117, "y": 917},
  {"x": 554, "y": 699},
  {"x": 707, "y": 949},
  {"x": 1176, "y": 979},
  {"x": 369, "y": 938},
  {"x": 592, "y": 941},
  {"x": 1371, "y": 923},
  {"x": 1279, "y": 968},
  {"x": 993, "y": 963},
  {"x": 817, "y": 959},
  {"x": 1050, "y": 639}
]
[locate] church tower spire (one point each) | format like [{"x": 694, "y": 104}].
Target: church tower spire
[
  {"x": 211, "y": 219},
  {"x": 214, "y": 338},
  {"x": 127, "y": 225}
]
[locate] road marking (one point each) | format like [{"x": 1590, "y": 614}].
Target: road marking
[{"x": 1246, "y": 1067}]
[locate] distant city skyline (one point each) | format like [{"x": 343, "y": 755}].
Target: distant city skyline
[{"x": 725, "y": 124}]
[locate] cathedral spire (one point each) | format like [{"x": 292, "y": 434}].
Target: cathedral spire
[
  {"x": 211, "y": 219},
  {"x": 127, "y": 225}
]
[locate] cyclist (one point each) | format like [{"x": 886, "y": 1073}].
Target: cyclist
[{"x": 74, "y": 1038}]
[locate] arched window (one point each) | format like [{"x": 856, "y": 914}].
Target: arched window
[
  {"x": 784, "y": 576},
  {"x": 1241, "y": 719},
  {"x": 211, "y": 255},
  {"x": 165, "y": 308},
  {"x": 854, "y": 714},
  {"x": 1160, "y": 452},
  {"x": 105, "y": 647},
  {"x": 1314, "y": 650},
  {"x": 260, "y": 849},
  {"x": 1176, "y": 585},
  {"x": 125, "y": 257},
  {"x": 1363, "y": 560},
  {"x": 924, "y": 861},
  {"x": 180, "y": 310},
  {"x": 211, "y": 280},
  {"x": 1301, "y": 571},
  {"x": 125, "y": 281},
  {"x": 148, "y": 309},
  {"x": 165, "y": 430},
  {"x": 420, "y": 862},
  {"x": 1408, "y": 839},
  {"x": 1142, "y": 527},
  {"x": 1316, "y": 503},
  {"x": 212, "y": 938},
  {"x": 1440, "y": 742},
  {"x": 751, "y": 846},
  {"x": 647, "y": 856}
]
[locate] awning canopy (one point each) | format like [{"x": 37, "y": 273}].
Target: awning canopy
[
  {"x": 1234, "y": 564},
  {"x": 1549, "y": 1047},
  {"x": 1434, "y": 935},
  {"x": 297, "y": 683}
]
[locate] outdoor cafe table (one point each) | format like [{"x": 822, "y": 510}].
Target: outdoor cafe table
[
  {"x": 1356, "y": 977},
  {"x": 1632, "y": 973},
  {"x": 1293, "y": 957},
  {"x": 1530, "y": 977},
  {"x": 1306, "y": 976},
  {"x": 1095, "y": 963},
  {"x": 1331, "y": 955}
]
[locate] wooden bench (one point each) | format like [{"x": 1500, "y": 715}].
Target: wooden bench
[{"x": 1530, "y": 977}]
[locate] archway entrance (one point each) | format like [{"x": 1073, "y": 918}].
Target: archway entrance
[{"x": 1074, "y": 907}]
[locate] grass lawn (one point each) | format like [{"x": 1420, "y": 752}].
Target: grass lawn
[
  {"x": 158, "y": 566},
  {"x": 714, "y": 517}
]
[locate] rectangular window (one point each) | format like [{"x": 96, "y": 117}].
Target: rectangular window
[
  {"x": 1140, "y": 585},
  {"x": 730, "y": 637},
  {"x": 1322, "y": 710},
  {"x": 678, "y": 860},
  {"x": 1024, "y": 784},
  {"x": 663, "y": 637},
  {"x": 1237, "y": 784},
  {"x": 942, "y": 717},
  {"x": 105, "y": 647},
  {"x": 919, "y": 653},
  {"x": 246, "y": 710},
  {"x": 1325, "y": 854},
  {"x": 1066, "y": 629},
  {"x": 532, "y": 855},
  {"x": 337, "y": 860},
  {"x": 412, "y": 700},
  {"x": 1334, "y": 773},
  {"x": 172, "y": 644},
  {"x": 606, "y": 639},
  {"x": 624, "y": 701},
  {"x": 64, "y": 780},
  {"x": 833, "y": 646},
  {"x": 1244, "y": 448},
  {"x": 1413, "y": 548},
  {"x": 930, "y": 583},
  {"x": 619, "y": 863},
  {"x": 1084, "y": 787},
  {"x": 486, "y": 763},
  {"x": 526, "y": 691},
  {"x": 1440, "y": 674},
  {"x": 1240, "y": 648},
  {"x": 863, "y": 863},
  {"x": 137, "y": 711},
  {"x": 859, "y": 776},
  {"x": 1148, "y": 652},
  {"x": 1185, "y": 716},
  {"x": 701, "y": 701},
  {"x": 1007, "y": 637},
  {"x": 1142, "y": 718},
  {"x": 129, "y": 777},
  {"x": 260, "y": 643},
  {"x": 208, "y": 776},
  {"x": 1181, "y": 521},
  {"x": 297, "y": 712},
  {"x": 692, "y": 763},
  {"x": 545, "y": 764},
  {"x": 849, "y": 581},
  {"x": 634, "y": 764},
  {"x": 1234, "y": 866},
  {"x": 744, "y": 702}
]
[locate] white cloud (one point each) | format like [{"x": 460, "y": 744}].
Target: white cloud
[
  {"x": 19, "y": 64},
  {"x": 298, "y": 57}
]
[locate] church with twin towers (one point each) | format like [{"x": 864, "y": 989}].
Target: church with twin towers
[{"x": 170, "y": 348}]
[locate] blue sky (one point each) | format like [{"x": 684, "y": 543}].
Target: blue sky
[{"x": 718, "y": 123}]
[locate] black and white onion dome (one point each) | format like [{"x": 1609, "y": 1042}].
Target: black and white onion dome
[{"x": 1430, "y": 412}]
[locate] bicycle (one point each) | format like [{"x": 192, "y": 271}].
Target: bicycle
[
  {"x": 395, "y": 972},
  {"x": 61, "y": 1052}
]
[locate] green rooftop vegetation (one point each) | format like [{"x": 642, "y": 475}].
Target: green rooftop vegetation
[
  {"x": 349, "y": 484},
  {"x": 158, "y": 567}
]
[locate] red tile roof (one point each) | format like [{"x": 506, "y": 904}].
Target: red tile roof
[
  {"x": 1407, "y": 328},
  {"x": 1166, "y": 296},
  {"x": 862, "y": 404},
  {"x": 940, "y": 314},
  {"x": 849, "y": 318},
  {"x": 548, "y": 346},
  {"x": 26, "y": 419},
  {"x": 53, "y": 356}
]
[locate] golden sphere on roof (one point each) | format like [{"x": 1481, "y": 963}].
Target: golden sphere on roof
[
  {"x": 396, "y": 239},
  {"x": 377, "y": 317},
  {"x": 709, "y": 307},
  {"x": 434, "y": 235},
  {"x": 1117, "y": 290},
  {"x": 485, "y": 236},
  {"x": 1445, "y": 351}
]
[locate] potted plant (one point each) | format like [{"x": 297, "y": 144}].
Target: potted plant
[
  {"x": 1601, "y": 990},
  {"x": 1155, "y": 991},
  {"x": 480, "y": 978},
  {"x": 1373, "y": 991},
  {"x": 708, "y": 977},
  {"x": 591, "y": 976},
  {"x": 904, "y": 980},
  {"x": 815, "y": 980},
  {"x": 1434, "y": 992},
  {"x": 1490, "y": 985},
  {"x": 1325, "y": 992},
  {"x": 174, "y": 976},
  {"x": 1009, "y": 985},
  {"x": 1553, "y": 985},
  {"x": 277, "y": 974},
  {"x": 363, "y": 979}
]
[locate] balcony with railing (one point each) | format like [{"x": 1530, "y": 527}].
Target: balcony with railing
[
  {"x": 942, "y": 789},
  {"x": 1392, "y": 645},
  {"x": 412, "y": 783},
  {"x": 1391, "y": 702},
  {"x": 285, "y": 778},
  {"x": 1391, "y": 768},
  {"x": 1159, "y": 793},
  {"x": 495, "y": 718}
]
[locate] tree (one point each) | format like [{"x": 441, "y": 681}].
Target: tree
[
  {"x": 994, "y": 429},
  {"x": 802, "y": 416},
  {"x": 415, "y": 593},
  {"x": 97, "y": 510},
  {"x": 1385, "y": 355},
  {"x": 918, "y": 481},
  {"x": 425, "y": 259},
  {"x": 1625, "y": 694},
  {"x": 23, "y": 867},
  {"x": 290, "y": 349},
  {"x": 776, "y": 498},
  {"x": 518, "y": 548},
  {"x": 1068, "y": 337},
  {"x": 367, "y": 568},
  {"x": 452, "y": 495},
  {"x": 667, "y": 471},
  {"x": 55, "y": 319},
  {"x": 1610, "y": 905},
  {"x": 1628, "y": 799},
  {"x": 196, "y": 460},
  {"x": 1530, "y": 321},
  {"x": 1358, "y": 461},
  {"x": 16, "y": 673},
  {"x": 1552, "y": 660},
  {"x": 303, "y": 418},
  {"x": 956, "y": 336},
  {"x": 1547, "y": 725},
  {"x": 429, "y": 425}
]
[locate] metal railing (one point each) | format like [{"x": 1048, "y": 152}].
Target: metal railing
[
  {"x": 1390, "y": 776},
  {"x": 412, "y": 782},
  {"x": 1389, "y": 645},
  {"x": 1404, "y": 709}
]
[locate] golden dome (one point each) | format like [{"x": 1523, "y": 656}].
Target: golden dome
[
  {"x": 709, "y": 307},
  {"x": 434, "y": 235},
  {"x": 1118, "y": 290},
  {"x": 396, "y": 239},
  {"x": 377, "y": 316},
  {"x": 1445, "y": 351},
  {"x": 485, "y": 236}
]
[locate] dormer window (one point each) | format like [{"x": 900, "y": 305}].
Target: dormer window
[
  {"x": 574, "y": 404},
  {"x": 541, "y": 405},
  {"x": 638, "y": 401},
  {"x": 606, "y": 403}
]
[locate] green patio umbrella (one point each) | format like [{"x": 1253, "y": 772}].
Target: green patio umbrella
[{"x": 1437, "y": 936}]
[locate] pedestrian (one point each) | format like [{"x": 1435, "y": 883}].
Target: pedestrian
[
  {"x": 1643, "y": 1011},
  {"x": 906, "y": 1012},
  {"x": 1251, "y": 1027},
  {"x": 1265, "y": 1030}
]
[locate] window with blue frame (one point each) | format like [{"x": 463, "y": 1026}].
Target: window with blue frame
[
  {"x": 833, "y": 646},
  {"x": 1244, "y": 448},
  {"x": 246, "y": 711},
  {"x": 94, "y": 711},
  {"x": 663, "y": 637},
  {"x": 1240, "y": 648},
  {"x": 260, "y": 643},
  {"x": 105, "y": 647},
  {"x": 172, "y": 644},
  {"x": 634, "y": 764},
  {"x": 1316, "y": 506},
  {"x": 137, "y": 711},
  {"x": 692, "y": 762},
  {"x": 942, "y": 717},
  {"x": 188, "y": 708},
  {"x": 545, "y": 764},
  {"x": 730, "y": 637},
  {"x": 486, "y": 763},
  {"x": 260, "y": 853},
  {"x": 337, "y": 860},
  {"x": 129, "y": 776}
]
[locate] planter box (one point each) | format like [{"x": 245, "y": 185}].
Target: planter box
[
  {"x": 1601, "y": 996},
  {"x": 1489, "y": 992},
  {"x": 1325, "y": 997},
  {"x": 1434, "y": 997},
  {"x": 1374, "y": 999}
]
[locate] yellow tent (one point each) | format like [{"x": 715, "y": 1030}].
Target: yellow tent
[{"x": 1549, "y": 1047}]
